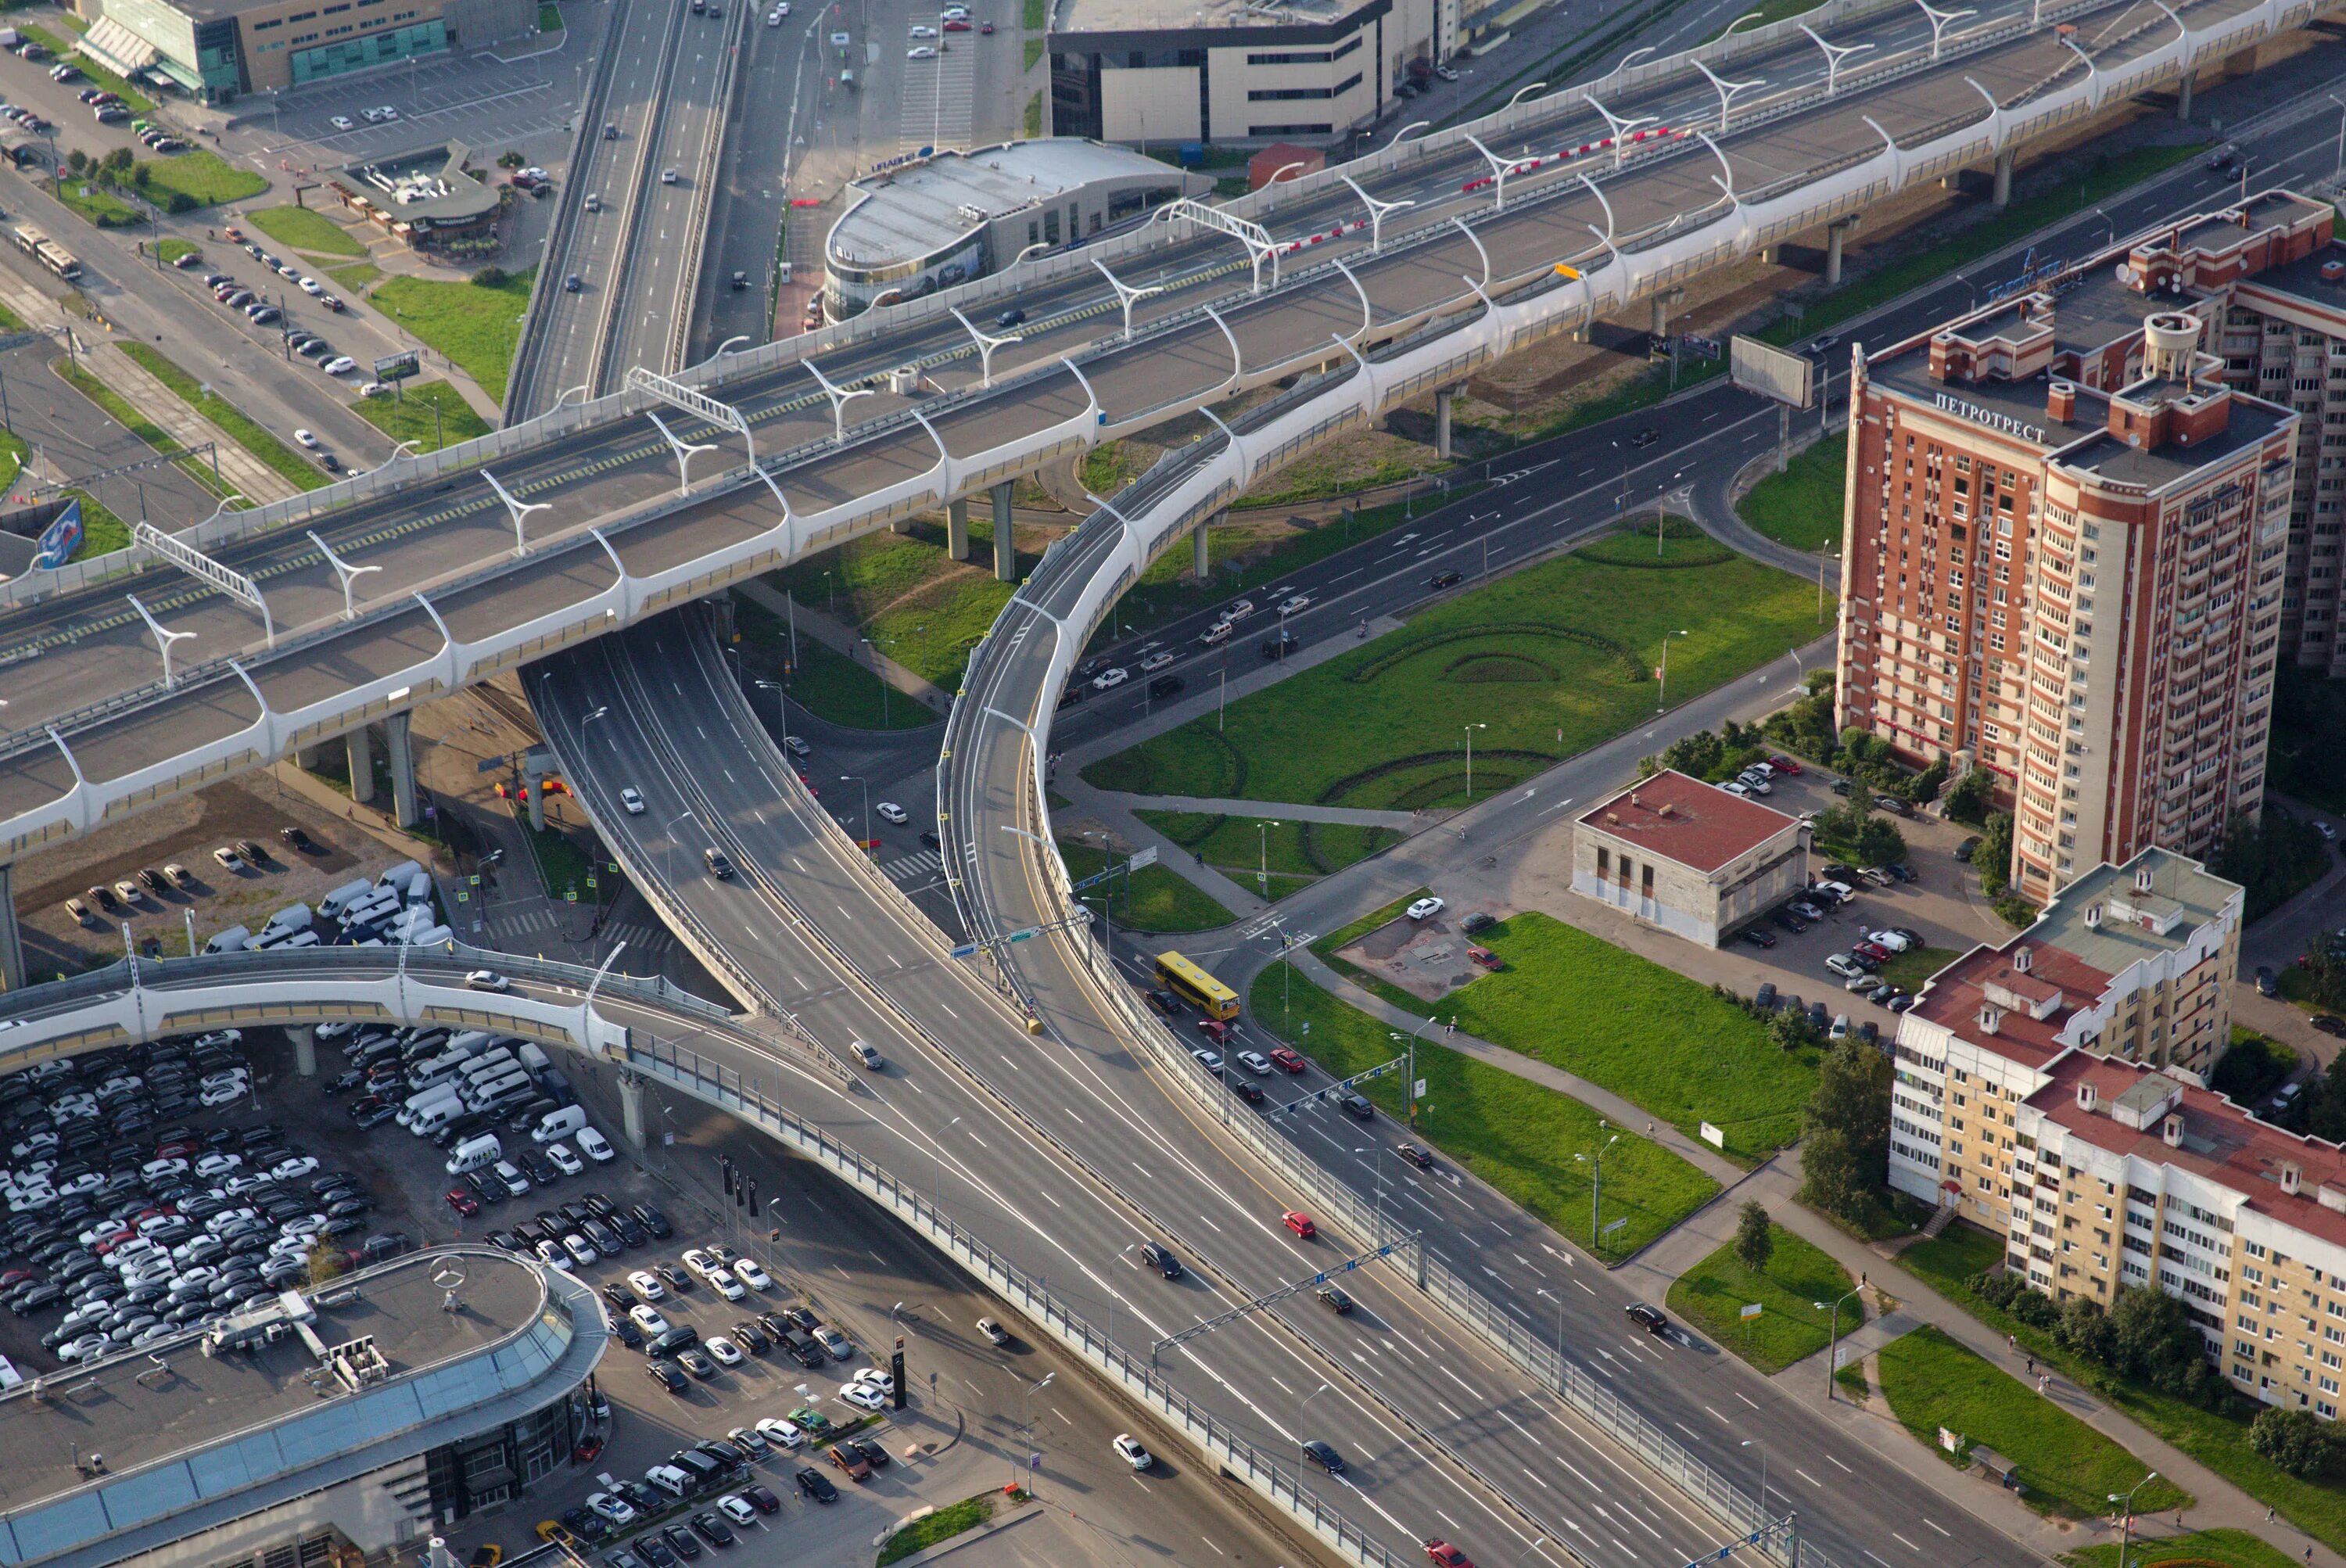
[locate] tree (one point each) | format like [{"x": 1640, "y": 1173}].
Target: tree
[
  {"x": 490, "y": 278},
  {"x": 1924, "y": 787},
  {"x": 1790, "y": 1031},
  {"x": 2152, "y": 1342},
  {"x": 76, "y": 159},
  {"x": 2085, "y": 1329},
  {"x": 1695, "y": 755},
  {"x": 1755, "y": 1237},
  {"x": 2295, "y": 1441},
  {"x": 1879, "y": 842},
  {"x": 1970, "y": 797},
  {"x": 1843, "y": 821},
  {"x": 1992, "y": 859},
  {"x": 1848, "y": 1113}
]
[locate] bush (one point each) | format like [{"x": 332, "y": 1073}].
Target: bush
[
  {"x": 1993, "y": 857},
  {"x": 179, "y": 201},
  {"x": 1805, "y": 725},
  {"x": 491, "y": 278},
  {"x": 2295, "y": 1441},
  {"x": 1971, "y": 797}
]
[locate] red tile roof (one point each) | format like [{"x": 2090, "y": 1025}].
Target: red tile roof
[
  {"x": 2223, "y": 1143},
  {"x": 1677, "y": 818},
  {"x": 1953, "y": 996}
]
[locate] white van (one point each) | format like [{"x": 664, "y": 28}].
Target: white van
[
  {"x": 558, "y": 1125},
  {"x": 670, "y": 1480},
  {"x": 369, "y": 907},
  {"x": 473, "y": 1043},
  {"x": 293, "y": 917},
  {"x": 481, "y": 1091},
  {"x": 474, "y": 1153},
  {"x": 438, "y": 936},
  {"x": 271, "y": 936},
  {"x": 332, "y": 905},
  {"x": 397, "y": 875},
  {"x": 419, "y": 888},
  {"x": 430, "y": 1103},
  {"x": 432, "y": 1119},
  {"x": 534, "y": 1057},
  {"x": 232, "y": 940},
  {"x": 488, "y": 1065}
]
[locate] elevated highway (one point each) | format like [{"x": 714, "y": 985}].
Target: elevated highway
[{"x": 459, "y": 585}]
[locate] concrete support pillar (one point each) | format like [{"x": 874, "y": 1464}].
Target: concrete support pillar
[
  {"x": 308, "y": 756},
  {"x": 533, "y": 779},
  {"x": 1583, "y": 332},
  {"x": 1662, "y": 304},
  {"x": 1201, "y": 564},
  {"x": 305, "y": 1048},
  {"x": 957, "y": 529},
  {"x": 1441, "y": 422},
  {"x": 2004, "y": 161},
  {"x": 1833, "y": 232},
  {"x": 12, "y": 941},
  {"x": 1005, "y": 547},
  {"x": 901, "y": 525},
  {"x": 631, "y": 1109},
  {"x": 361, "y": 750},
  {"x": 398, "y": 736},
  {"x": 2183, "y": 95}
]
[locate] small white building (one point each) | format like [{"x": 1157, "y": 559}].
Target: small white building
[{"x": 1688, "y": 857}]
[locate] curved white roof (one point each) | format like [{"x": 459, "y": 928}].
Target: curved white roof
[{"x": 908, "y": 213}]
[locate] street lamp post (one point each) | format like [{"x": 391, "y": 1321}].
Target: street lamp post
[
  {"x": 1833, "y": 1343},
  {"x": 1470, "y": 729},
  {"x": 858, "y": 778},
  {"x": 2126, "y": 1537},
  {"x": 1410, "y": 1047},
  {"x": 1027, "y": 1429},
  {"x": 1597, "y": 1186},
  {"x": 1762, "y": 1444},
  {"x": 1662, "y": 681},
  {"x": 1262, "y": 862},
  {"x": 1558, "y": 1299},
  {"x": 937, "y": 1152}
]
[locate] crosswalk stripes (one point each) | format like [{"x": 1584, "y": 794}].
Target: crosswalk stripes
[{"x": 905, "y": 868}]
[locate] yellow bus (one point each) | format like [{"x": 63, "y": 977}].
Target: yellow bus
[{"x": 1185, "y": 979}]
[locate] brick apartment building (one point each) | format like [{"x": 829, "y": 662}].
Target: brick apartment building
[{"x": 2068, "y": 530}]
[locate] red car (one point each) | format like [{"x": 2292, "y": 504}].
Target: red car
[
  {"x": 461, "y": 1200},
  {"x": 956, "y": 25},
  {"x": 1301, "y": 1224},
  {"x": 1485, "y": 957},
  {"x": 1872, "y": 950},
  {"x": 1784, "y": 765},
  {"x": 1447, "y": 1556},
  {"x": 1287, "y": 1059},
  {"x": 986, "y": 27},
  {"x": 1214, "y": 1029}
]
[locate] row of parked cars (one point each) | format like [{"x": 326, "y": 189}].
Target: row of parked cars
[
  {"x": 137, "y": 1228},
  {"x": 394, "y": 908}
]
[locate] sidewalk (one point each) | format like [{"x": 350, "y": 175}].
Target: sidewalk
[
  {"x": 1111, "y": 812},
  {"x": 239, "y": 469},
  {"x": 842, "y": 639},
  {"x": 1294, "y": 810}
]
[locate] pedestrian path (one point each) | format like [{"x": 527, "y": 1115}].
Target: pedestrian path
[
  {"x": 239, "y": 469},
  {"x": 819, "y": 627},
  {"x": 1291, "y": 811}
]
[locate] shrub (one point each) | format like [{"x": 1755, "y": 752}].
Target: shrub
[
  {"x": 1755, "y": 1239},
  {"x": 1993, "y": 859},
  {"x": 2295, "y": 1441},
  {"x": 491, "y": 278},
  {"x": 1970, "y": 797}
]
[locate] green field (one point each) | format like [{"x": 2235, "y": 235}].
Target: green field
[
  {"x": 431, "y": 414},
  {"x": 2218, "y": 1440},
  {"x": 549, "y": 17},
  {"x": 1294, "y": 853},
  {"x": 925, "y": 610},
  {"x": 1548, "y": 662},
  {"x": 944, "y": 1523},
  {"x": 2200, "y": 1549},
  {"x": 2065, "y": 1466},
  {"x": 1767, "y": 11},
  {"x": 1802, "y": 505},
  {"x": 95, "y": 203},
  {"x": 232, "y": 421},
  {"x": 1712, "y": 1295},
  {"x": 1648, "y": 1034},
  {"x": 354, "y": 276},
  {"x": 201, "y": 176},
  {"x": 1515, "y": 1134},
  {"x": 476, "y": 327},
  {"x": 169, "y": 250},
  {"x": 1159, "y": 899},
  {"x": 306, "y": 230},
  {"x": 830, "y": 685},
  {"x": 1915, "y": 966}
]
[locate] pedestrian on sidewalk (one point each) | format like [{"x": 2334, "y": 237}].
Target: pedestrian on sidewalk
[
  {"x": 2032, "y": 1366},
  {"x": 2011, "y": 1341}
]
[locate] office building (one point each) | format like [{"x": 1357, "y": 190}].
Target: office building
[
  {"x": 2064, "y": 543},
  {"x": 319, "y": 1428},
  {"x": 1236, "y": 72},
  {"x": 1688, "y": 857},
  {"x": 2133, "y": 963},
  {"x": 215, "y": 49}
]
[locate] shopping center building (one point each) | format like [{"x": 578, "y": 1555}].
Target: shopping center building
[{"x": 215, "y": 49}]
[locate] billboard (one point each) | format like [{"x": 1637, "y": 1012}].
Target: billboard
[
  {"x": 1772, "y": 372},
  {"x": 61, "y": 538},
  {"x": 396, "y": 367}
]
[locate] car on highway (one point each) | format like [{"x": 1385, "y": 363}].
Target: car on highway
[
  {"x": 1282, "y": 1058},
  {"x": 1127, "y": 1448},
  {"x": 1156, "y": 661},
  {"x": 1239, "y": 611},
  {"x": 307, "y": 439},
  {"x": 1652, "y": 1320},
  {"x": 1294, "y": 604},
  {"x": 1414, "y": 1154},
  {"x": 1299, "y": 1223},
  {"x": 1645, "y": 437},
  {"x": 920, "y": 52},
  {"x": 1109, "y": 680},
  {"x": 668, "y": 176},
  {"x": 632, "y": 798},
  {"x": 1255, "y": 1061},
  {"x": 1323, "y": 1453},
  {"x": 1161, "y": 1259},
  {"x": 1334, "y": 1299},
  {"x": 890, "y": 812},
  {"x": 1426, "y": 908},
  {"x": 1445, "y": 579},
  {"x": 1446, "y": 1555}
]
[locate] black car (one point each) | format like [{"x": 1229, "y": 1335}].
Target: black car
[
  {"x": 1162, "y": 1259},
  {"x": 1334, "y": 1299},
  {"x": 1481, "y": 919},
  {"x": 298, "y": 839},
  {"x": 1165, "y": 685},
  {"x": 813, "y": 1484},
  {"x": 344, "y": 1083},
  {"x": 1422, "y": 1159},
  {"x": 624, "y": 1329},
  {"x": 1790, "y": 921},
  {"x": 374, "y": 1117},
  {"x": 751, "y": 1338},
  {"x": 1244, "y": 1088},
  {"x": 599, "y": 1205},
  {"x": 763, "y": 1501},
  {"x": 712, "y": 1529},
  {"x": 1650, "y": 1319},
  {"x": 1324, "y": 1454},
  {"x": 681, "y": 1542},
  {"x": 653, "y": 1549},
  {"x": 1645, "y": 437},
  {"x": 489, "y": 1186},
  {"x": 1165, "y": 1004},
  {"x": 1445, "y": 579},
  {"x": 1757, "y": 938},
  {"x": 654, "y": 1221},
  {"x": 2330, "y": 1023},
  {"x": 665, "y": 1376},
  {"x": 1278, "y": 648},
  {"x": 1358, "y": 1107}
]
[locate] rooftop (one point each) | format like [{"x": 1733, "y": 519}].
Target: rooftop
[
  {"x": 428, "y": 185},
  {"x": 2153, "y": 468},
  {"x": 1097, "y": 16},
  {"x": 910, "y": 213},
  {"x": 2221, "y": 1142},
  {"x": 204, "y": 1422},
  {"x": 2303, "y": 278},
  {"x": 1678, "y": 818}
]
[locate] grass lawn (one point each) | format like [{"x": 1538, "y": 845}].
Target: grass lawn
[
  {"x": 1327, "y": 945},
  {"x": 474, "y": 326},
  {"x": 549, "y": 17},
  {"x": 1295, "y": 852},
  {"x": 95, "y": 203},
  {"x": 1714, "y": 1292},
  {"x": 1802, "y": 505},
  {"x": 203, "y": 176},
  {"x": 1915, "y": 966},
  {"x": 1550, "y": 661},
  {"x": 1769, "y": 11},
  {"x": 2218, "y": 1440},
  {"x": 1160, "y": 899},
  {"x": 924, "y": 609},
  {"x": 1515, "y": 1134},
  {"x": 355, "y": 276},
  {"x": 1648, "y": 1034},
  {"x": 945, "y": 1523},
  {"x": 238, "y": 426},
  {"x": 2066, "y": 1467},
  {"x": 306, "y": 230},
  {"x": 2200, "y": 1549},
  {"x": 169, "y": 250},
  {"x": 832, "y": 686},
  {"x": 563, "y": 865},
  {"x": 412, "y": 415}
]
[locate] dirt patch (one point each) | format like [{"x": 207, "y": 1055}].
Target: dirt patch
[
  {"x": 185, "y": 830},
  {"x": 1425, "y": 958}
]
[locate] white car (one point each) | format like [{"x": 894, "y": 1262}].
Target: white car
[
  {"x": 567, "y": 1162},
  {"x": 648, "y": 1319},
  {"x": 1129, "y": 1449},
  {"x": 212, "y": 1099},
  {"x": 306, "y": 439},
  {"x": 920, "y": 32},
  {"x": 342, "y": 122},
  {"x": 1736, "y": 787},
  {"x": 1156, "y": 662},
  {"x": 1895, "y": 940},
  {"x": 289, "y": 1169},
  {"x": 594, "y": 1145},
  {"x": 313, "y": 287},
  {"x": 891, "y": 812},
  {"x": 747, "y": 1271},
  {"x": 863, "y": 1396},
  {"x": 1109, "y": 680},
  {"x": 617, "y": 1510},
  {"x": 736, "y": 1507},
  {"x": 647, "y": 1284},
  {"x": 1755, "y": 783},
  {"x": 582, "y": 1251},
  {"x": 779, "y": 1433},
  {"x": 773, "y": 19},
  {"x": 668, "y": 176},
  {"x": 920, "y": 52},
  {"x": 724, "y": 1352},
  {"x": 1293, "y": 602},
  {"x": 487, "y": 979},
  {"x": 340, "y": 365},
  {"x": 1255, "y": 1063},
  {"x": 875, "y": 1378},
  {"x": 633, "y": 799},
  {"x": 1426, "y": 908},
  {"x": 720, "y": 1279},
  {"x": 510, "y": 1174},
  {"x": 217, "y": 1165},
  {"x": 385, "y": 112}
]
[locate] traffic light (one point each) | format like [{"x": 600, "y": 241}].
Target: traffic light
[{"x": 896, "y": 1371}]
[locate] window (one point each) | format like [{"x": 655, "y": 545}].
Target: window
[{"x": 1268, "y": 94}]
